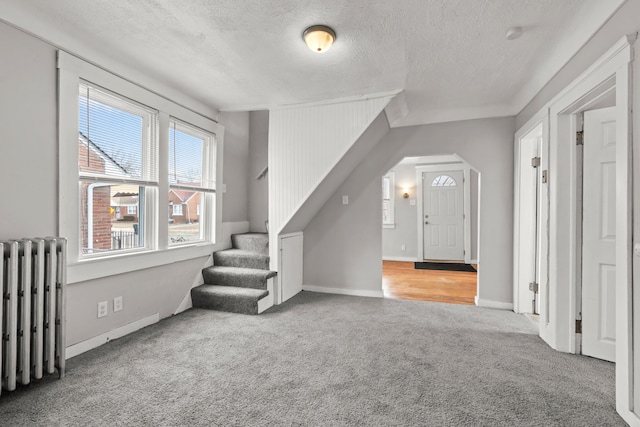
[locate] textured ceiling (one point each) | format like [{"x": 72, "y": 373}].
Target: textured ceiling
[{"x": 450, "y": 57}]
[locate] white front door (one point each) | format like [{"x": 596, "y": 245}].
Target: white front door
[
  {"x": 599, "y": 235},
  {"x": 443, "y": 215}
]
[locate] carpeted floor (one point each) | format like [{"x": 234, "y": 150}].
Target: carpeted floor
[{"x": 326, "y": 360}]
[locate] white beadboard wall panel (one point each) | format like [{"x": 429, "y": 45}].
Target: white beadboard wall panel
[{"x": 305, "y": 143}]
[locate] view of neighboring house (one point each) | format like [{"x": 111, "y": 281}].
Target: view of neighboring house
[
  {"x": 184, "y": 206},
  {"x": 102, "y": 203}
]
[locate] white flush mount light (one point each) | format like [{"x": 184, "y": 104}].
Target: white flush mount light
[
  {"x": 514, "y": 33},
  {"x": 319, "y": 38}
]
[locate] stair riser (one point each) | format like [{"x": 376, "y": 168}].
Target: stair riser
[
  {"x": 229, "y": 304},
  {"x": 253, "y": 242},
  {"x": 214, "y": 278},
  {"x": 258, "y": 263}
]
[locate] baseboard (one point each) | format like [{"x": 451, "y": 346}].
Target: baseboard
[
  {"x": 493, "y": 304},
  {"x": 342, "y": 291},
  {"x": 91, "y": 343},
  {"x": 399, "y": 258},
  {"x": 473, "y": 261}
]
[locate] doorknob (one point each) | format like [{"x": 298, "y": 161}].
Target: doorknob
[{"x": 426, "y": 222}]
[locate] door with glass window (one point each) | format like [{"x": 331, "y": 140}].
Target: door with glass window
[{"x": 443, "y": 216}]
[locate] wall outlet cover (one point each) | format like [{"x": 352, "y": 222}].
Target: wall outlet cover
[
  {"x": 117, "y": 304},
  {"x": 345, "y": 200},
  {"x": 103, "y": 309}
]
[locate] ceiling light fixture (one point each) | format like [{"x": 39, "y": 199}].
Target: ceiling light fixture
[
  {"x": 319, "y": 38},
  {"x": 514, "y": 33}
]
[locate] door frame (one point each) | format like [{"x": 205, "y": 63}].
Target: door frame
[
  {"x": 543, "y": 209},
  {"x": 466, "y": 188},
  {"x": 557, "y": 320}
]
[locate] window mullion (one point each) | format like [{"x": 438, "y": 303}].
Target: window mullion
[{"x": 162, "y": 202}]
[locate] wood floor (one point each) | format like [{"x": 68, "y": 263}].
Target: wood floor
[{"x": 401, "y": 281}]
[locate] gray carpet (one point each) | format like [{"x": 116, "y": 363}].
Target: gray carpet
[{"x": 326, "y": 360}]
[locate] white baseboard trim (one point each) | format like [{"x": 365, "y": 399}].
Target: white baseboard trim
[
  {"x": 493, "y": 304},
  {"x": 342, "y": 291},
  {"x": 91, "y": 343},
  {"x": 473, "y": 261},
  {"x": 399, "y": 258}
]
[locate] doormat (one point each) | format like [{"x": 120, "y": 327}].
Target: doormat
[{"x": 444, "y": 266}]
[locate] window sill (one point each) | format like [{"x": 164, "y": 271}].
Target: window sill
[
  {"x": 96, "y": 268},
  {"x": 388, "y": 226}
]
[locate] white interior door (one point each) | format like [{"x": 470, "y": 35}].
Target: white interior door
[
  {"x": 443, "y": 215},
  {"x": 290, "y": 275},
  {"x": 599, "y": 235},
  {"x": 529, "y": 208}
]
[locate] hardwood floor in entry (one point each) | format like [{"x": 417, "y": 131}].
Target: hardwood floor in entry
[{"x": 401, "y": 281}]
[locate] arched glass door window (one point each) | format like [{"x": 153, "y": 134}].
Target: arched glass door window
[{"x": 443, "y": 181}]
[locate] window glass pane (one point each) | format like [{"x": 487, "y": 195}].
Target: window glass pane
[
  {"x": 111, "y": 135},
  {"x": 385, "y": 212},
  {"x": 184, "y": 211},
  {"x": 185, "y": 157},
  {"x": 109, "y": 217},
  {"x": 443, "y": 181},
  {"x": 386, "y": 188}
]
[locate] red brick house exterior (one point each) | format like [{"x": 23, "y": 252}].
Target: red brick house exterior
[{"x": 189, "y": 200}]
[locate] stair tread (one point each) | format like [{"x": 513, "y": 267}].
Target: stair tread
[
  {"x": 242, "y": 252},
  {"x": 231, "y": 290},
  {"x": 242, "y": 271}
]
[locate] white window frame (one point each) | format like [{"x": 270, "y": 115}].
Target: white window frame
[
  {"x": 132, "y": 210},
  {"x": 71, "y": 70},
  {"x": 207, "y": 181},
  {"x": 391, "y": 176},
  {"x": 177, "y": 209}
]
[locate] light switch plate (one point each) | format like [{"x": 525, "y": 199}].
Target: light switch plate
[{"x": 345, "y": 200}]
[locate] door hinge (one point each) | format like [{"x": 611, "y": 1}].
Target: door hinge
[
  {"x": 544, "y": 177},
  {"x": 535, "y": 162},
  {"x": 580, "y": 137},
  {"x": 533, "y": 287},
  {"x": 578, "y": 326}
]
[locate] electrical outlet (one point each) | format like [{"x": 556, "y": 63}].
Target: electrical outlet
[
  {"x": 403, "y": 248},
  {"x": 117, "y": 304},
  {"x": 345, "y": 200},
  {"x": 103, "y": 308}
]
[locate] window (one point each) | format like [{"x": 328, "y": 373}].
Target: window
[
  {"x": 190, "y": 179},
  {"x": 117, "y": 150},
  {"x": 388, "y": 203},
  {"x": 126, "y": 155},
  {"x": 443, "y": 181}
]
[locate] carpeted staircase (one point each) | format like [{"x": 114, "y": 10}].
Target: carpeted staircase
[{"x": 240, "y": 280}]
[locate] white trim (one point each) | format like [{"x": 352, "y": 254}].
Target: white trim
[
  {"x": 278, "y": 282},
  {"x": 466, "y": 170},
  {"x": 493, "y": 304},
  {"x": 399, "y": 258},
  {"x": 557, "y": 329},
  {"x": 473, "y": 261},
  {"x": 268, "y": 301},
  {"x": 343, "y": 291},
  {"x": 91, "y": 343},
  {"x": 388, "y": 226}
]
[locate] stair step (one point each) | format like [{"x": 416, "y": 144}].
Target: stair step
[
  {"x": 241, "y": 258},
  {"x": 253, "y": 242},
  {"x": 227, "y": 298},
  {"x": 237, "y": 277}
]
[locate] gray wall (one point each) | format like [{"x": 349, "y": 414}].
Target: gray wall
[
  {"x": 236, "y": 153},
  {"x": 624, "y": 22},
  {"x": 405, "y": 217},
  {"x": 405, "y": 232},
  {"x": 343, "y": 243},
  {"x": 258, "y": 159},
  {"x": 29, "y": 176}
]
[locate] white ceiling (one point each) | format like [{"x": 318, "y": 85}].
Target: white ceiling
[{"x": 450, "y": 57}]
